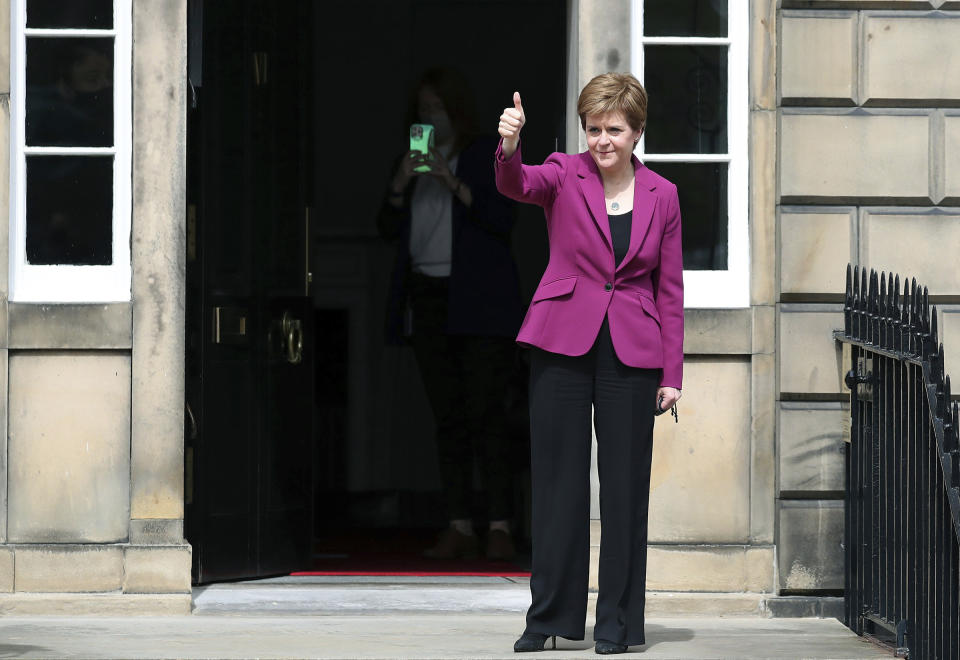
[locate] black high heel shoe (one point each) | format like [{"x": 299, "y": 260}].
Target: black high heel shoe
[
  {"x": 531, "y": 641},
  {"x": 604, "y": 647}
]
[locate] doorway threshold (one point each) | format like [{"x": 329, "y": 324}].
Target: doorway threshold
[
  {"x": 355, "y": 594},
  {"x": 388, "y": 579}
]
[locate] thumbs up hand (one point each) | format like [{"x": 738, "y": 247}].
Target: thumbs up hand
[{"x": 511, "y": 121}]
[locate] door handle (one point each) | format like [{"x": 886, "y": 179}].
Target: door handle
[
  {"x": 292, "y": 332},
  {"x": 229, "y": 325},
  {"x": 192, "y": 420}
]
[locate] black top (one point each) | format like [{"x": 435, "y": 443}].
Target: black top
[{"x": 620, "y": 234}]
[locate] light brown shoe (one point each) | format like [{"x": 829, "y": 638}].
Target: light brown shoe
[
  {"x": 453, "y": 545},
  {"x": 500, "y": 545}
]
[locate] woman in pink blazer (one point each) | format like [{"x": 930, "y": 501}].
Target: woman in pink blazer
[{"x": 606, "y": 328}]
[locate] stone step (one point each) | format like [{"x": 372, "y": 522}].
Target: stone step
[{"x": 375, "y": 595}]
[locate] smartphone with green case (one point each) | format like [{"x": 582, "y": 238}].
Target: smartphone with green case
[{"x": 421, "y": 139}]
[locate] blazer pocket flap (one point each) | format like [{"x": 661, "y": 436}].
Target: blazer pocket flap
[
  {"x": 650, "y": 308},
  {"x": 555, "y": 288}
]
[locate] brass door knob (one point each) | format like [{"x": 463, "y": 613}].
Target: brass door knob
[{"x": 292, "y": 333}]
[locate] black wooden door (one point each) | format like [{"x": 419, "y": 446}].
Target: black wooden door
[{"x": 249, "y": 490}]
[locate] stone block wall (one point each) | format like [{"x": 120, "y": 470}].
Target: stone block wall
[
  {"x": 91, "y": 395},
  {"x": 868, "y": 172}
]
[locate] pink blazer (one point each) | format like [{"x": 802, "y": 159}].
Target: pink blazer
[{"x": 642, "y": 297}]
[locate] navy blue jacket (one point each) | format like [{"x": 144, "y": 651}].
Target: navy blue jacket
[{"x": 484, "y": 286}]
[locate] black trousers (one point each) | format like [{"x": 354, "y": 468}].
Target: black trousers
[
  {"x": 562, "y": 389},
  {"x": 465, "y": 377}
]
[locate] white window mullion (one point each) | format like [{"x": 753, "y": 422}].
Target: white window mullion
[
  {"x": 685, "y": 41},
  {"x": 687, "y": 158},
  {"x": 62, "y": 33},
  {"x": 69, "y": 151}
]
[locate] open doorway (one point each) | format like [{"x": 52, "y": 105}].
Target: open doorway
[{"x": 310, "y": 440}]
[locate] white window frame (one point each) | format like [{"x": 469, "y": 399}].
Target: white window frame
[
  {"x": 715, "y": 288},
  {"x": 72, "y": 283}
]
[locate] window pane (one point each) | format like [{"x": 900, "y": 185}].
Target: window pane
[
  {"x": 69, "y": 92},
  {"x": 91, "y": 14},
  {"x": 702, "y": 188},
  {"x": 70, "y": 210},
  {"x": 687, "y": 110},
  {"x": 685, "y": 18}
]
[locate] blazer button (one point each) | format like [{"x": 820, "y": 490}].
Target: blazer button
[{"x": 608, "y": 287}]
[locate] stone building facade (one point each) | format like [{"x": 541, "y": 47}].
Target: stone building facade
[
  {"x": 851, "y": 154},
  {"x": 867, "y": 173}
]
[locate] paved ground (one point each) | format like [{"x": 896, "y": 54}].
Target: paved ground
[
  {"x": 396, "y": 618},
  {"x": 406, "y": 636}
]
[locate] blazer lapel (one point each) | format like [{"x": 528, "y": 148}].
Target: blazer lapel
[
  {"x": 644, "y": 203},
  {"x": 591, "y": 186}
]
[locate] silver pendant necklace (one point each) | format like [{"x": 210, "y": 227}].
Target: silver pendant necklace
[{"x": 614, "y": 206}]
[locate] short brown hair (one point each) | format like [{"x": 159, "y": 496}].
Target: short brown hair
[{"x": 613, "y": 92}]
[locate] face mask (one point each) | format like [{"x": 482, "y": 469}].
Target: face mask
[{"x": 443, "y": 128}]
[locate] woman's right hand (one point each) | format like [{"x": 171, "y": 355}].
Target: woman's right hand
[
  {"x": 405, "y": 172},
  {"x": 511, "y": 121}
]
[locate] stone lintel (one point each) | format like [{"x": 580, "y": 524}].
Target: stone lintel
[
  {"x": 718, "y": 331},
  {"x": 69, "y": 326}
]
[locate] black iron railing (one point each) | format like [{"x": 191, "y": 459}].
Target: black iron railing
[{"x": 902, "y": 517}]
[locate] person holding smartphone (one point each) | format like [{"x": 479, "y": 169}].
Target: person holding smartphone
[
  {"x": 455, "y": 297},
  {"x": 606, "y": 332}
]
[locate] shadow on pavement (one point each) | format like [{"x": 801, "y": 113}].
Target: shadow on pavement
[{"x": 23, "y": 650}]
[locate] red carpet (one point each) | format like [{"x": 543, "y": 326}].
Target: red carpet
[{"x": 396, "y": 552}]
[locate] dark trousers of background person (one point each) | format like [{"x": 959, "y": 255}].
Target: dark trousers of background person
[
  {"x": 465, "y": 378},
  {"x": 562, "y": 389}
]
